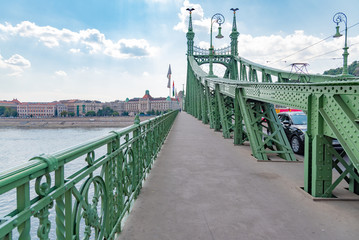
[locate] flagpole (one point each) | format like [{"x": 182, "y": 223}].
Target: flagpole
[{"x": 169, "y": 80}]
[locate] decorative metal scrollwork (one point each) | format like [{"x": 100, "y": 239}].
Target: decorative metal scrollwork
[
  {"x": 43, "y": 189},
  {"x": 90, "y": 158},
  {"x": 218, "y": 18},
  {"x": 128, "y": 173},
  {"x": 339, "y": 17},
  {"x": 91, "y": 210}
]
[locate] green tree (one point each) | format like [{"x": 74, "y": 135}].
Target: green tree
[
  {"x": 7, "y": 112},
  {"x": 14, "y": 113},
  {"x": 125, "y": 113},
  {"x": 115, "y": 114},
  {"x": 71, "y": 114},
  {"x": 106, "y": 111},
  {"x": 352, "y": 69},
  {"x": 90, "y": 114},
  {"x": 63, "y": 113},
  {"x": 2, "y": 110}
]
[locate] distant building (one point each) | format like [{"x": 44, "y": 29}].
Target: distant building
[
  {"x": 70, "y": 104},
  {"x": 81, "y": 107},
  {"x": 147, "y": 103},
  {"x": 10, "y": 104},
  {"x": 118, "y": 106},
  {"x": 40, "y": 109}
]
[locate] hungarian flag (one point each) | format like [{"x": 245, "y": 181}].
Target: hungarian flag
[
  {"x": 169, "y": 76},
  {"x": 173, "y": 88}
]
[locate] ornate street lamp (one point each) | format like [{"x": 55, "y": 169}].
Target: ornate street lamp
[
  {"x": 219, "y": 19},
  {"x": 341, "y": 17}
]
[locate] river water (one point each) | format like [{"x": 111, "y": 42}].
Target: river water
[{"x": 17, "y": 146}]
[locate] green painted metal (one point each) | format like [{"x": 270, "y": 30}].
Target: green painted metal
[
  {"x": 330, "y": 103},
  {"x": 92, "y": 202}
]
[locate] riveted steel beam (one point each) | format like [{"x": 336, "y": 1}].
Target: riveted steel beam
[{"x": 331, "y": 107}]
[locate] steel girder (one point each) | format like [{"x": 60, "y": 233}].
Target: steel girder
[{"x": 331, "y": 106}]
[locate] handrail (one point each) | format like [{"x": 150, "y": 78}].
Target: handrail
[{"x": 94, "y": 199}]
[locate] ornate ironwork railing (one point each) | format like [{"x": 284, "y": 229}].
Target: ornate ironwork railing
[
  {"x": 219, "y": 51},
  {"x": 92, "y": 202},
  {"x": 200, "y": 51}
]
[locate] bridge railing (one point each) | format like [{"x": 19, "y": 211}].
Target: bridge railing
[{"x": 91, "y": 202}]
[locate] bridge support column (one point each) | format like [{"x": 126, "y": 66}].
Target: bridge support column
[
  {"x": 239, "y": 134},
  {"x": 204, "y": 105},
  {"x": 321, "y": 158},
  {"x": 265, "y": 133},
  {"x": 225, "y": 113},
  {"x": 198, "y": 100},
  {"x": 210, "y": 107}
]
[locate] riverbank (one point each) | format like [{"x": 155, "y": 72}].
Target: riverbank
[{"x": 73, "y": 122}]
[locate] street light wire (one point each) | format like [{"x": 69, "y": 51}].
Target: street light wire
[
  {"x": 301, "y": 50},
  {"x": 329, "y": 52}
]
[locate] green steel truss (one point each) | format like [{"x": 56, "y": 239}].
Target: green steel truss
[
  {"x": 241, "y": 105},
  {"x": 92, "y": 202}
]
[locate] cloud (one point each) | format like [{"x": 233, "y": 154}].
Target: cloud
[
  {"x": 197, "y": 17},
  {"x": 90, "y": 41},
  {"x": 199, "y": 22},
  {"x": 15, "y": 65},
  {"x": 61, "y": 73},
  {"x": 280, "y": 51},
  {"x": 18, "y": 61},
  {"x": 75, "y": 50}
]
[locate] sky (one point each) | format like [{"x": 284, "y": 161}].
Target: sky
[{"x": 52, "y": 50}]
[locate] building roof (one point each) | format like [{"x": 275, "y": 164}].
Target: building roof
[{"x": 147, "y": 95}]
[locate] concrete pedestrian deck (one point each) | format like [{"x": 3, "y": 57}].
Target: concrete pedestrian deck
[{"x": 204, "y": 187}]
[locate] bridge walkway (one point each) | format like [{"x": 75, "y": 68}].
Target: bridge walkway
[{"x": 204, "y": 187}]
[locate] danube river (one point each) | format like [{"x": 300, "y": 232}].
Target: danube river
[{"x": 18, "y": 145}]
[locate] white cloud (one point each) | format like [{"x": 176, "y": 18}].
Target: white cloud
[
  {"x": 197, "y": 17},
  {"x": 75, "y": 50},
  {"x": 15, "y": 65},
  {"x": 145, "y": 74},
  {"x": 199, "y": 22},
  {"x": 90, "y": 41},
  {"x": 275, "y": 50},
  {"x": 61, "y": 73},
  {"x": 18, "y": 61}
]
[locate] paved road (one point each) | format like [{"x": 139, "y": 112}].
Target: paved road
[{"x": 204, "y": 187}]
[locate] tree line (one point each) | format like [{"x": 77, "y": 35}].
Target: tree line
[
  {"x": 7, "y": 112},
  {"x": 353, "y": 69}
]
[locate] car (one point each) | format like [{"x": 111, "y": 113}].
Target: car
[{"x": 295, "y": 125}]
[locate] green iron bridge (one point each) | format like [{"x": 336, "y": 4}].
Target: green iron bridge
[{"x": 205, "y": 188}]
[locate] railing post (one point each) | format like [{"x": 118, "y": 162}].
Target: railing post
[
  {"x": 60, "y": 205},
  {"x": 136, "y": 155},
  {"x": 23, "y": 202}
]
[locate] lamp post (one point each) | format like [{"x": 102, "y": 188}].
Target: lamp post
[
  {"x": 218, "y": 18},
  {"x": 341, "y": 17}
]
